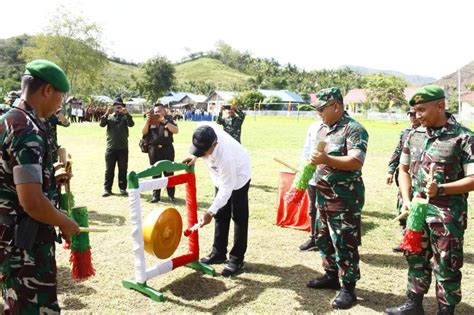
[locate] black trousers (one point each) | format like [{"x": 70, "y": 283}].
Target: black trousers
[
  {"x": 237, "y": 208},
  {"x": 113, "y": 157},
  {"x": 155, "y": 154},
  {"x": 312, "y": 209}
]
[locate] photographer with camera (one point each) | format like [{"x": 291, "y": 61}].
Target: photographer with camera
[
  {"x": 118, "y": 120},
  {"x": 159, "y": 129},
  {"x": 233, "y": 122}
]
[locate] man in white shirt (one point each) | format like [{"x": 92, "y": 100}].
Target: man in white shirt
[
  {"x": 229, "y": 166},
  {"x": 308, "y": 149}
]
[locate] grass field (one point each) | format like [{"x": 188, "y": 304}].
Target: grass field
[{"x": 275, "y": 271}]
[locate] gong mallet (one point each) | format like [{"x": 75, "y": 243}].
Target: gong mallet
[
  {"x": 192, "y": 229},
  {"x": 92, "y": 229},
  {"x": 294, "y": 169}
]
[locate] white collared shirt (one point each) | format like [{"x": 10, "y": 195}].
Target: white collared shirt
[
  {"x": 309, "y": 146},
  {"x": 229, "y": 166}
]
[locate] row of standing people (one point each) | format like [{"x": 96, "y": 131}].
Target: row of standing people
[{"x": 336, "y": 195}]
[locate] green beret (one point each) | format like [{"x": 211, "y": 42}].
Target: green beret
[
  {"x": 327, "y": 97},
  {"x": 427, "y": 94},
  {"x": 49, "y": 72}
]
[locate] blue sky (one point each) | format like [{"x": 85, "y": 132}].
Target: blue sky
[{"x": 431, "y": 38}]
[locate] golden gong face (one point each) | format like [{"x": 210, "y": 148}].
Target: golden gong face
[{"x": 162, "y": 231}]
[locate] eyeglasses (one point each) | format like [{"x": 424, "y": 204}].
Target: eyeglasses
[{"x": 321, "y": 109}]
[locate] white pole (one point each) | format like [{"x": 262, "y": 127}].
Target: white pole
[{"x": 459, "y": 95}]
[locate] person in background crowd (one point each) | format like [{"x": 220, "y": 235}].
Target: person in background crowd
[
  {"x": 117, "y": 120},
  {"x": 233, "y": 122},
  {"x": 394, "y": 162},
  {"x": 159, "y": 130}
]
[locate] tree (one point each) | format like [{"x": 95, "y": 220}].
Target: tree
[
  {"x": 385, "y": 91},
  {"x": 158, "y": 78},
  {"x": 74, "y": 44},
  {"x": 248, "y": 99},
  {"x": 12, "y": 65}
]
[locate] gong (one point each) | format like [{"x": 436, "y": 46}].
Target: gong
[{"x": 162, "y": 231}]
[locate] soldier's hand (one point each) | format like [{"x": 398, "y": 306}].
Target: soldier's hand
[
  {"x": 389, "y": 179},
  {"x": 431, "y": 188},
  {"x": 110, "y": 110},
  {"x": 125, "y": 110},
  {"x": 318, "y": 158},
  {"x": 190, "y": 160},
  {"x": 69, "y": 228},
  {"x": 62, "y": 177}
]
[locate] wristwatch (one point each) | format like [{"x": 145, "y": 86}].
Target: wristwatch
[{"x": 440, "y": 191}]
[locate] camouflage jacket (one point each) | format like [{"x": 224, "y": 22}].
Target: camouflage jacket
[
  {"x": 346, "y": 137},
  {"x": 25, "y": 157},
  {"x": 415, "y": 143},
  {"x": 232, "y": 125},
  {"x": 451, "y": 149},
  {"x": 395, "y": 158},
  {"x": 51, "y": 127}
]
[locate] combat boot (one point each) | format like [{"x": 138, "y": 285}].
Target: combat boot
[
  {"x": 328, "y": 281},
  {"x": 412, "y": 306},
  {"x": 446, "y": 309},
  {"x": 346, "y": 298}
]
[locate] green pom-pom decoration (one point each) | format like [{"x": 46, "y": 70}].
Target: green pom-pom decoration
[
  {"x": 80, "y": 243},
  {"x": 417, "y": 216},
  {"x": 304, "y": 176}
]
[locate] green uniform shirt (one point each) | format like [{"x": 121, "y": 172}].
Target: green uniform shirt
[
  {"x": 117, "y": 130},
  {"x": 450, "y": 148},
  {"x": 346, "y": 137}
]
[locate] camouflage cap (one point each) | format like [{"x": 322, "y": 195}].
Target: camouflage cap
[
  {"x": 326, "y": 97},
  {"x": 49, "y": 72},
  {"x": 427, "y": 94}
]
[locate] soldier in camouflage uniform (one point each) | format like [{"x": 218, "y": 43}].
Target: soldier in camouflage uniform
[
  {"x": 27, "y": 194},
  {"x": 233, "y": 123},
  {"x": 51, "y": 124},
  {"x": 449, "y": 147},
  {"x": 395, "y": 160},
  {"x": 340, "y": 196}
]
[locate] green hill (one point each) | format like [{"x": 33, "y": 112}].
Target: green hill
[{"x": 208, "y": 69}]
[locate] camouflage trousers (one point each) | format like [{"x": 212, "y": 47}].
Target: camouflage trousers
[
  {"x": 29, "y": 278},
  {"x": 443, "y": 242},
  {"x": 338, "y": 239}
]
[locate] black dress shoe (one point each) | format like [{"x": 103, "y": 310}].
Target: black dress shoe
[
  {"x": 308, "y": 245},
  {"x": 106, "y": 193},
  {"x": 231, "y": 268},
  {"x": 325, "y": 282},
  {"x": 173, "y": 200},
  {"x": 155, "y": 199},
  {"x": 123, "y": 192},
  {"x": 213, "y": 259}
]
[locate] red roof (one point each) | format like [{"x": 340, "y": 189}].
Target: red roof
[
  {"x": 468, "y": 97},
  {"x": 355, "y": 96}
]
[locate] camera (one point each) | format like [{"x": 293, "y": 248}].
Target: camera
[{"x": 227, "y": 106}]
